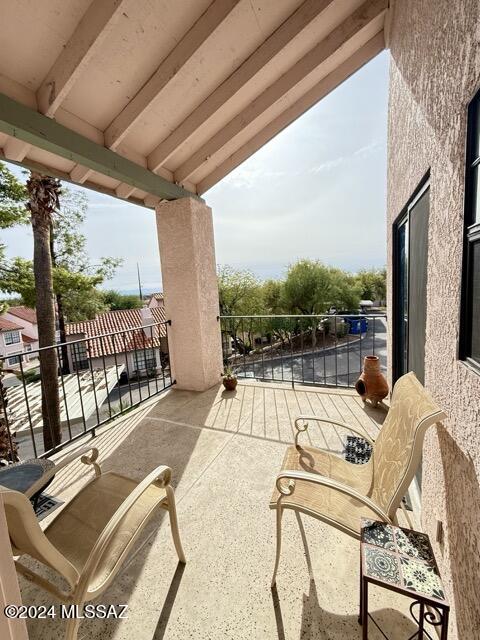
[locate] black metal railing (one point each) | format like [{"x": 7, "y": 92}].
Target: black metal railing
[
  {"x": 325, "y": 350},
  {"x": 99, "y": 379}
]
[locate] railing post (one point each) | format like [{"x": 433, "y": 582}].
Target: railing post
[{"x": 187, "y": 253}]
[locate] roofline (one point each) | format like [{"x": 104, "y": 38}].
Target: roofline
[
  {"x": 16, "y": 328},
  {"x": 110, "y": 333},
  {"x": 9, "y": 310}
]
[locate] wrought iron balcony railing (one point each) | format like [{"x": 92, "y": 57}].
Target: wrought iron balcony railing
[
  {"x": 99, "y": 378},
  {"x": 325, "y": 350}
]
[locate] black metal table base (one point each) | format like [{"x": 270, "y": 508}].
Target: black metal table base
[{"x": 436, "y": 616}]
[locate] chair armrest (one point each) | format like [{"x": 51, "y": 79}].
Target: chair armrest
[
  {"x": 46, "y": 477},
  {"x": 286, "y": 489},
  {"x": 162, "y": 476},
  {"x": 304, "y": 427}
]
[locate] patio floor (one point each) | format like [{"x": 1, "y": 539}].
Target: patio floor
[{"x": 225, "y": 450}]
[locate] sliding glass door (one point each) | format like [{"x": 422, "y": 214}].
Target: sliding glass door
[{"x": 410, "y": 286}]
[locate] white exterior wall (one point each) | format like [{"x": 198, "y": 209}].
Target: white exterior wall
[
  {"x": 29, "y": 329},
  {"x": 11, "y": 349}
]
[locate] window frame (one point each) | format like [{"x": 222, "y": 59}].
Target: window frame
[
  {"x": 143, "y": 353},
  {"x": 403, "y": 221},
  {"x": 471, "y": 231},
  {"x": 12, "y": 332},
  {"x": 80, "y": 361}
]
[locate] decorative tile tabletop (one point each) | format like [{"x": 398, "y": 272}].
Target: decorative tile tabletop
[{"x": 401, "y": 559}]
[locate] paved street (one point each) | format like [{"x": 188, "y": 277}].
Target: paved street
[{"x": 341, "y": 365}]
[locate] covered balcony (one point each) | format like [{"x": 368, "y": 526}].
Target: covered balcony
[
  {"x": 154, "y": 103},
  {"x": 225, "y": 450}
]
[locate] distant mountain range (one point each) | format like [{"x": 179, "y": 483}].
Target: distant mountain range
[{"x": 132, "y": 292}]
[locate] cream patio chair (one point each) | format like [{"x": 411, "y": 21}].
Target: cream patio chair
[
  {"x": 325, "y": 486},
  {"x": 92, "y": 535}
]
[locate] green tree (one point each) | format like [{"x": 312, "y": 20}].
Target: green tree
[
  {"x": 13, "y": 198},
  {"x": 75, "y": 277},
  {"x": 116, "y": 300},
  {"x": 12, "y": 211},
  {"x": 273, "y": 297},
  {"x": 344, "y": 291},
  {"x": 373, "y": 284},
  {"x": 240, "y": 294},
  {"x": 312, "y": 288},
  {"x": 307, "y": 288}
]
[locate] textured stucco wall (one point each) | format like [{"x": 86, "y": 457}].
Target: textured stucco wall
[
  {"x": 187, "y": 255},
  {"x": 435, "y": 71}
]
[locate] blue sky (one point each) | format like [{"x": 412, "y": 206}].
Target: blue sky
[{"x": 317, "y": 190}]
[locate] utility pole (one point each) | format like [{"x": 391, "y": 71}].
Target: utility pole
[{"x": 139, "y": 283}]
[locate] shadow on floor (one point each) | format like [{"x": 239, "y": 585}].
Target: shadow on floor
[
  {"x": 133, "y": 448},
  {"x": 169, "y": 602},
  {"x": 318, "y": 624}
]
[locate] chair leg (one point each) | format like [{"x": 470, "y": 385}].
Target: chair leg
[
  {"x": 72, "y": 626},
  {"x": 172, "y": 510},
  {"x": 279, "y": 543}
]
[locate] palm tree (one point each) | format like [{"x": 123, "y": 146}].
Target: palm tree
[{"x": 43, "y": 201}]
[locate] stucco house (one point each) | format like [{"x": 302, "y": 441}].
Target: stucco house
[
  {"x": 18, "y": 326},
  {"x": 156, "y": 300},
  {"x": 11, "y": 343},
  {"x": 139, "y": 350}
]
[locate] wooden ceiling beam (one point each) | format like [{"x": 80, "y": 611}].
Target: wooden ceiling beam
[
  {"x": 19, "y": 121},
  {"x": 363, "y": 55},
  {"x": 271, "y": 47},
  {"x": 87, "y": 37},
  {"x": 124, "y": 191},
  {"x": 332, "y": 43},
  {"x": 15, "y": 149},
  {"x": 79, "y": 173},
  {"x": 85, "y": 41},
  {"x": 62, "y": 175},
  {"x": 203, "y": 28}
]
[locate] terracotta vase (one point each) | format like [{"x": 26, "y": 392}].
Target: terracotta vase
[
  {"x": 230, "y": 384},
  {"x": 372, "y": 385}
]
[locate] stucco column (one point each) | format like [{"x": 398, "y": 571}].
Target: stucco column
[{"x": 187, "y": 255}]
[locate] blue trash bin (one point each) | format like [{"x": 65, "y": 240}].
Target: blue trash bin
[{"x": 358, "y": 325}]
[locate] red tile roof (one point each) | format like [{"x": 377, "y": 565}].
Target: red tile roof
[
  {"x": 157, "y": 296},
  {"x": 24, "y": 313},
  {"x": 28, "y": 339},
  {"x": 7, "y": 325},
  {"x": 122, "y": 320}
]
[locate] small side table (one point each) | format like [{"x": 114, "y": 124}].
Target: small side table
[
  {"x": 22, "y": 475},
  {"x": 402, "y": 560}
]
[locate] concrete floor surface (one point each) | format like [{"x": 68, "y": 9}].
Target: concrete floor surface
[{"x": 225, "y": 450}]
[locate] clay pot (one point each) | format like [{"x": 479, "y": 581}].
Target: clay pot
[
  {"x": 230, "y": 384},
  {"x": 372, "y": 385}
]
